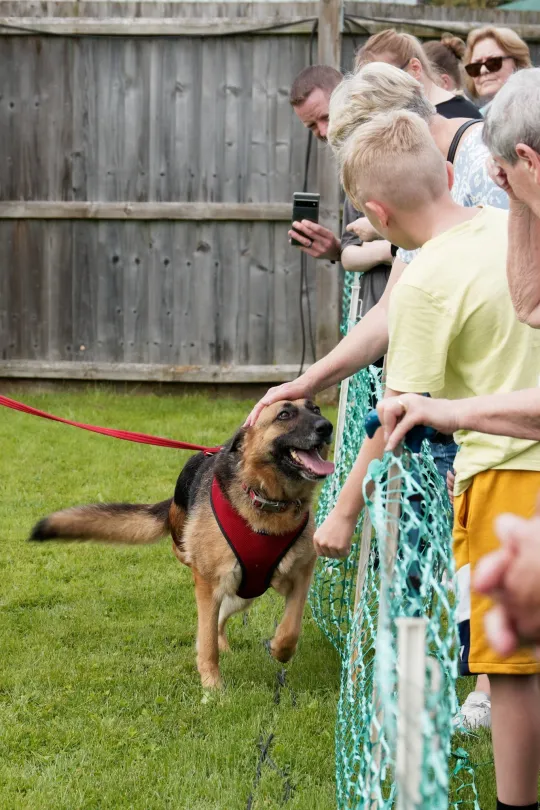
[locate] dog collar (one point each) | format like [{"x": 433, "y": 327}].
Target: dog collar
[{"x": 266, "y": 505}]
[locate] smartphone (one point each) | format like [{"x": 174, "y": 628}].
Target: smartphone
[{"x": 305, "y": 206}]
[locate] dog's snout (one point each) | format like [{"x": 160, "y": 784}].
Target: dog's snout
[{"x": 324, "y": 429}]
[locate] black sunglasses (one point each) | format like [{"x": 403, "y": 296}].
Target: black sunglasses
[{"x": 492, "y": 65}]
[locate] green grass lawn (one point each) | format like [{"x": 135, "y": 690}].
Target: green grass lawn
[{"x": 100, "y": 703}]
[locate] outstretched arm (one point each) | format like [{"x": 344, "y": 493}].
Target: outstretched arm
[
  {"x": 333, "y": 538},
  {"x": 516, "y": 414},
  {"x": 364, "y": 344}
]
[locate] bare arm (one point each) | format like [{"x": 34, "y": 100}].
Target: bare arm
[
  {"x": 516, "y": 414},
  {"x": 333, "y": 537},
  {"x": 364, "y": 344},
  {"x": 523, "y": 263},
  {"x": 363, "y": 229},
  {"x": 363, "y": 258}
]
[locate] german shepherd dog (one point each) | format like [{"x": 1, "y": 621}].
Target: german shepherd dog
[{"x": 265, "y": 476}]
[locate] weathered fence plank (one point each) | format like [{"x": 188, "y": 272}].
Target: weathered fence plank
[
  {"x": 149, "y": 160},
  {"x": 149, "y": 372},
  {"x": 250, "y": 212}
]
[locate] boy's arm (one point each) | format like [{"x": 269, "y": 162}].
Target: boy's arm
[
  {"x": 364, "y": 344},
  {"x": 420, "y": 334},
  {"x": 333, "y": 537}
]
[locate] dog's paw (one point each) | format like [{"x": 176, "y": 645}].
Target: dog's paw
[
  {"x": 223, "y": 643},
  {"x": 282, "y": 652},
  {"x": 211, "y": 679}
]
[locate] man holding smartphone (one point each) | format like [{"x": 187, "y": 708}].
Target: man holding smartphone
[{"x": 310, "y": 99}]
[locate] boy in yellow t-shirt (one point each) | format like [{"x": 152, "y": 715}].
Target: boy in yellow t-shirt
[{"x": 454, "y": 333}]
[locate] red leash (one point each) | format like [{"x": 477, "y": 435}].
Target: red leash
[{"x": 126, "y": 435}]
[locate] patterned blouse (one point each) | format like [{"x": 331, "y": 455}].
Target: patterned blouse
[{"x": 472, "y": 183}]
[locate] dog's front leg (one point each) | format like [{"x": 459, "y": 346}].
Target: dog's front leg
[
  {"x": 284, "y": 643},
  {"x": 207, "y": 635}
]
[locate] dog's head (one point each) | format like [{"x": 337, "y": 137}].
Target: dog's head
[{"x": 293, "y": 437}]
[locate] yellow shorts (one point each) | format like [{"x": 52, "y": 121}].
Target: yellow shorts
[{"x": 490, "y": 494}]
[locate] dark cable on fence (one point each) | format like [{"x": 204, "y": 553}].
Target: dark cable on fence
[
  {"x": 262, "y": 29},
  {"x": 350, "y": 21},
  {"x": 304, "y": 284},
  {"x": 248, "y": 31}
]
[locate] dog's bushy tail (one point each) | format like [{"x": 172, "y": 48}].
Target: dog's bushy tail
[{"x": 135, "y": 524}]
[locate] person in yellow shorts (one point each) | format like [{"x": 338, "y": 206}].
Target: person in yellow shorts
[{"x": 454, "y": 334}]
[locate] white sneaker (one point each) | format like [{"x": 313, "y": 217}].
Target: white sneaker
[{"x": 475, "y": 712}]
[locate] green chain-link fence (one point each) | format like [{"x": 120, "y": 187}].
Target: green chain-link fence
[{"x": 400, "y": 567}]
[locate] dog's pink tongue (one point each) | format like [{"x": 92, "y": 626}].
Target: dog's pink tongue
[{"x": 312, "y": 460}]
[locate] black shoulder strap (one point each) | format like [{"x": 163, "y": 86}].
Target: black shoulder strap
[{"x": 457, "y": 138}]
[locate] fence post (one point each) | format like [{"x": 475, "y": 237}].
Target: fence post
[
  {"x": 327, "y": 274},
  {"x": 411, "y": 705},
  {"x": 387, "y": 562}
]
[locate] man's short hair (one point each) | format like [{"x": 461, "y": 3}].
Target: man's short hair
[
  {"x": 322, "y": 77},
  {"x": 376, "y": 88},
  {"x": 514, "y": 116},
  {"x": 393, "y": 159}
]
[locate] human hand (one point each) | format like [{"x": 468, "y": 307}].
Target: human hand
[
  {"x": 333, "y": 538},
  {"x": 316, "y": 240},
  {"x": 399, "y": 414},
  {"x": 510, "y": 576},
  {"x": 363, "y": 229},
  {"x": 499, "y": 177},
  {"x": 296, "y": 389}
]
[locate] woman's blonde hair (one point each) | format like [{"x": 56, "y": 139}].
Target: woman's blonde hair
[
  {"x": 376, "y": 88},
  {"x": 400, "y": 47},
  {"x": 446, "y": 54},
  {"x": 507, "y": 40}
]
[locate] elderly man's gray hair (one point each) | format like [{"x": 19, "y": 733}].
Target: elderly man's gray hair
[{"x": 514, "y": 116}]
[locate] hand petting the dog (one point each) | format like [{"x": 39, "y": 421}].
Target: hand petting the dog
[
  {"x": 296, "y": 389},
  {"x": 333, "y": 538}
]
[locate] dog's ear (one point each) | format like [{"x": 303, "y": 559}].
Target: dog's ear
[{"x": 237, "y": 440}]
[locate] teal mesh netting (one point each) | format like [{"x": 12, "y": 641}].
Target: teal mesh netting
[{"x": 400, "y": 566}]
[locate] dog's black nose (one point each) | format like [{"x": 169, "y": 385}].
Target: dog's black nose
[{"x": 324, "y": 429}]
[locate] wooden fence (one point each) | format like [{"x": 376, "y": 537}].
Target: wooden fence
[{"x": 149, "y": 156}]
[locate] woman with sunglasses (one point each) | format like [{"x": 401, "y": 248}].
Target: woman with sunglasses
[
  {"x": 405, "y": 52},
  {"x": 492, "y": 55}
]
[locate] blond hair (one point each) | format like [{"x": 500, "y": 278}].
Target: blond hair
[
  {"x": 376, "y": 88},
  {"x": 393, "y": 159},
  {"x": 507, "y": 40},
  {"x": 400, "y": 48}
]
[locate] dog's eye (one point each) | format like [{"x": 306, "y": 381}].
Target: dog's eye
[
  {"x": 316, "y": 410},
  {"x": 284, "y": 415}
]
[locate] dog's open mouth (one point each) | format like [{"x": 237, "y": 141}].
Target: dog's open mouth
[{"x": 310, "y": 463}]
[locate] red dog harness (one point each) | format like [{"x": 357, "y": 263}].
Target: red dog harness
[{"x": 258, "y": 554}]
